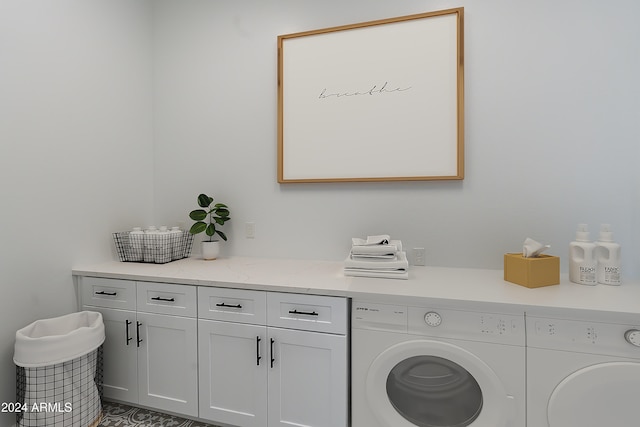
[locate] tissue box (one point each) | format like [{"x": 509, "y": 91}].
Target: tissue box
[{"x": 543, "y": 270}]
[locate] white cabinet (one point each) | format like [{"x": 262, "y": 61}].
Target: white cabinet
[
  {"x": 120, "y": 354},
  {"x": 232, "y": 356},
  {"x": 150, "y": 353},
  {"x": 233, "y": 375},
  {"x": 116, "y": 300},
  {"x": 308, "y": 379},
  {"x": 272, "y": 359},
  {"x": 168, "y": 363}
]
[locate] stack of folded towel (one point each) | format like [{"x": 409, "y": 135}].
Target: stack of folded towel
[{"x": 377, "y": 256}]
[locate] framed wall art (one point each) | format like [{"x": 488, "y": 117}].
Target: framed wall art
[{"x": 376, "y": 101}]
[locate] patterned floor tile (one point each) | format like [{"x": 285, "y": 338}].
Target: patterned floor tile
[{"x": 119, "y": 415}]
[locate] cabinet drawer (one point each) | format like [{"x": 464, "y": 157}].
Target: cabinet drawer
[
  {"x": 167, "y": 298},
  {"x": 307, "y": 312},
  {"x": 111, "y": 293},
  {"x": 232, "y": 305}
]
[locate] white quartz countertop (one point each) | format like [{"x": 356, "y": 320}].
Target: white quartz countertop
[{"x": 457, "y": 286}]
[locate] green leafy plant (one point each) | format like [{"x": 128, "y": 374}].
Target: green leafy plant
[{"x": 218, "y": 214}]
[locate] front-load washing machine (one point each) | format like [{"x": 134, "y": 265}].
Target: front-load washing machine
[
  {"x": 583, "y": 373},
  {"x": 436, "y": 366}
]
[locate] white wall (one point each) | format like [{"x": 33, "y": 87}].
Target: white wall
[
  {"x": 552, "y": 113},
  {"x": 552, "y": 123},
  {"x": 75, "y": 150}
]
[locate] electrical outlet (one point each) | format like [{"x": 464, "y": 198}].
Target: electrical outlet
[
  {"x": 250, "y": 230},
  {"x": 418, "y": 256}
]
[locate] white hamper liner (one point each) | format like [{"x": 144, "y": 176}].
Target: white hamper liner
[{"x": 59, "y": 360}]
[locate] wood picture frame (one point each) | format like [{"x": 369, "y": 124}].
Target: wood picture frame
[{"x": 375, "y": 101}]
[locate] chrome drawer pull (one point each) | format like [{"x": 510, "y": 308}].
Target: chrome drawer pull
[
  {"x": 111, "y": 294},
  {"x": 222, "y": 304},
  {"x": 163, "y": 299},
  {"x": 306, "y": 313}
]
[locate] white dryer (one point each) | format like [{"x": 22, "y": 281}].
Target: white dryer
[
  {"x": 434, "y": 366},
  {"x": 583, "y": 373}
]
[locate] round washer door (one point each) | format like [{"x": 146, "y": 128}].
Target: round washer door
[
  {"x": 413, "y": 383},
  {"x": 605, "y": 394}
]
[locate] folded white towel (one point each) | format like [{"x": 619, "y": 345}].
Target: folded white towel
[
  {"x": 382, "y": 257},
  {"x": 387, "y": 251},
  {"x": 382, "y": 239},
  {"x": 377, "y": 270},
  {"x": 399, "y": 261},
  {"x": 378, "y": 274}
]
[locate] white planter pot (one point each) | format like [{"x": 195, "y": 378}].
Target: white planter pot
[{"x": 210, "y": 250}]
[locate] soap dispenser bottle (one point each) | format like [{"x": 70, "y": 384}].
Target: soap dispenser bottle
[
  {"x": 608, "y": 255},
  {"x": 582, "y": 258}
]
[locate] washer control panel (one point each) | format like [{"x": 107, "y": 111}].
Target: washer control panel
[
  {"x": 471, "y": 325},
  {"x": 379, "y": 317},
  {"x": 441, "y": 322}
]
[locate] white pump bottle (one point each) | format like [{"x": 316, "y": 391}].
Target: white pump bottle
[
  {"x": 582, "y": 258},
  {"x": 608, "y": 254}
]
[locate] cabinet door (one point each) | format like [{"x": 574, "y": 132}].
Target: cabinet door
[
  {"x": 308, "y": 379},
  {"x": 233, "y": 373},
  {"x": 168, "y": 363},
  {"x": 120, "y": 379}
]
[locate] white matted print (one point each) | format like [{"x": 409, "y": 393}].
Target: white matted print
[{"x": 377, "y": 101}]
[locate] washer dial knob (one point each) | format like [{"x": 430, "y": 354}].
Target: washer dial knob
[
  {"x": 434, "y": 319},
  {"x": 633, "y": 337}
]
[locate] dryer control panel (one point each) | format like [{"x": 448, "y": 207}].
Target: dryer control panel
[{"x": 582, "y": 336}]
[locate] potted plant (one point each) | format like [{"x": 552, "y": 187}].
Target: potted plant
[{"x": 218, "y": 214}]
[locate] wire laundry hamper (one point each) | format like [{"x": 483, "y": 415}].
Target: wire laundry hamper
[{"x": 59, "y": 372}]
